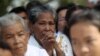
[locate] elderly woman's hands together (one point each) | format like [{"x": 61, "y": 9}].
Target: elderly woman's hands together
[{"x": 49, "y": 43}]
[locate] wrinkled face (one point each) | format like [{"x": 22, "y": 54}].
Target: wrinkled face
[
  {"x": 5, "y": 52},
  {"x": 61, "y": 19},
  {"x": 16, "y": 37},
  {"x": 44, "y": 26},
  {"x": 85, "y": 39}
]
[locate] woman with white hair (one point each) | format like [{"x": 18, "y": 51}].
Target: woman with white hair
[
  {"x": 42, "y": 26},
  {"x": 15, "y": 33}
]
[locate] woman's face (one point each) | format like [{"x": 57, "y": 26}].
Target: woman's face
[
  {"x": 61, "y": 20},
  {"x": 16, "y": 37},
  {"x": 44, "y": 26},
  {"x": 85, "y": 39}
]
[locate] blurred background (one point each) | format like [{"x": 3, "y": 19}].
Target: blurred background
[{"x": 7, "y": 5}]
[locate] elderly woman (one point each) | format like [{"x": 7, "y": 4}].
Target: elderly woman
[
  {"x": 15, "y": 33},
  {"x": 85, "y": 33},
  {"x": 42, "y": 25}
]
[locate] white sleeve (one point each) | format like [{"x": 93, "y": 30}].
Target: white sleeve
[
  {"x": 43, "y": 53},
  {"x": 34, "y": 51},
  {"x": 67, "y": 46},
  {"x": 64, "y": 44}
]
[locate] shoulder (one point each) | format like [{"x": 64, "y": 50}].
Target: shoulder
[
  {"x": 63, "y": 36},
  {"x": 34, "y": 51}
]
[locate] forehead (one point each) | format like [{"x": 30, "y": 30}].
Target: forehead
[
  {"x": 81, "y": 30},
  {"x": 63, "y": 10},
  {"x": 46, "y": 16},
  {"x": 22, "y": 14},
  {"x": 13, "y": 28}
]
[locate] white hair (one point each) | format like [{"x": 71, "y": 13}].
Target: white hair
[
  {"x": 10, "y": 19},
  {"x": 36, "y": 11}
]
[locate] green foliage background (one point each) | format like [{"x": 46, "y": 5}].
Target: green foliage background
[
  {"x": 3, "y": 6},
  {"x": 5, "y": 3},
  {"x": 81, "y": 2}
]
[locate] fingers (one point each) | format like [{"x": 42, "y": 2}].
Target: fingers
[{"x": 48, "y": 37}]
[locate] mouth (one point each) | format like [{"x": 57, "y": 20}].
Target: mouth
[{"x": 18, "y": 47}]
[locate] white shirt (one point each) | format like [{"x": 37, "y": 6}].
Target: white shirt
[
  {"x": 39, "y": 51},
  {"x": 34, "y": 51},
  {"x": 64, "y": 44}
]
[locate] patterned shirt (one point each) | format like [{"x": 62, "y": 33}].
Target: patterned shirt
[{"x": 64, "y": 44}]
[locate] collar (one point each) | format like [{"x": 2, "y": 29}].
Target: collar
[{"x": 34, "y": 42}]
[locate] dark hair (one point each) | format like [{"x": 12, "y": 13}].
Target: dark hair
[
  {"x": 86, "y": 16},
  {"x": 69, "y": 12},
  {"x": 72, "y": 9},
  {"x": 18, "y": 10},
  {"x": 61, "y": 8},
  {"x": 97, "y": 6},
  {"x": 32, "y": 4}
]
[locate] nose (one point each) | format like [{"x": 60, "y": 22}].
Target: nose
[
  {"x": 85, "y": 50},
  {"x": 16, "y": 40},
  {"x": 47, "y": 27}
]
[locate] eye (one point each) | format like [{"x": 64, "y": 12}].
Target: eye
[
  {"x": 61, "y": 18},
  {"x": 24, "y": 17},
  {"x": 8, "y": 36},
  {"x": 90, "y": 41},
  {"x": 52, "y": 23},
  {"x": 41, "y": 23},
  {"x": 21, "y": 34}
]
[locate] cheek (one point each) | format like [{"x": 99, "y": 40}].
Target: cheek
[
  {"x": 52, "y": 28},
  {"x": 24, "y": 39},
  {"x": 95, "y": 48},
  {"x": 61, "y": 23},
  {"x": 10, "y": 42},
  {"x": 76, "y": 50},
  {"x": 38, "y": 29}
]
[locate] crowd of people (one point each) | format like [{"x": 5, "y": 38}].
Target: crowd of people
[{"x": 39, "y": 30}]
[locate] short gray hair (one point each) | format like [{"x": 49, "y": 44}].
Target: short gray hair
[
  {"x": 35, "y": 12},
  {"x": 10, "y": 19}
]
